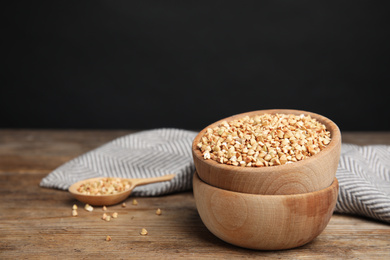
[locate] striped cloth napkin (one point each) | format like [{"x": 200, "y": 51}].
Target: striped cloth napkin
[{"x": 363, "y": 173}]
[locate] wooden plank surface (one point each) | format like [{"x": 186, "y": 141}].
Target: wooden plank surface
[{"x": 36, "y": 223}]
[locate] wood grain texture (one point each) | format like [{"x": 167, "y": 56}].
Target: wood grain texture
[
  {"x": 265, "y": 222},
  {"x": 36, "y": 223},
  {"x": 33, "y": 150},
  {"x": 314, "y": 173}
]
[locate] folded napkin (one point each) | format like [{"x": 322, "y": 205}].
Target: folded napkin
[
  {"x": 364, "y": 178},
  {"x": 363, "y": 173},
  {"x": 145, "y": 154}
]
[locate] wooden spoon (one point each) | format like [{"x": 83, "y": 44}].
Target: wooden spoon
[{"x": 111, "y": 199}]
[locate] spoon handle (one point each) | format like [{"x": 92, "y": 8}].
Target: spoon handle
[{"x": 143, "y": 181}]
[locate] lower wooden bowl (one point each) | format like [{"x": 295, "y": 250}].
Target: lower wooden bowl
[{"x": 264, "y": 222}]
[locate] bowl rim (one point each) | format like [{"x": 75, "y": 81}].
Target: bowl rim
[
  {"x": 330, "y": 126},
  {"x": 334, "y": 184}
]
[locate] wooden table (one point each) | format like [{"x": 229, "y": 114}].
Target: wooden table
[{"x": 36, "y": 222}]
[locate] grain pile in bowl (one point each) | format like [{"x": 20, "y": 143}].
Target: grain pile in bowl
[{"x": 264, "y": 140}]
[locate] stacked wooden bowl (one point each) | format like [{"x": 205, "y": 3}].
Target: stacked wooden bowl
[{"x": 268, "y": 208}]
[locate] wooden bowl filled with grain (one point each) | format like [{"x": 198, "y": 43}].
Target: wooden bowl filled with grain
[{"x": 271, "y": 152}]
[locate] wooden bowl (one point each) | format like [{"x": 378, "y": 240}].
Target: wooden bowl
[
  {"x": 311, "y": 174},
  {"x": 265, "y": 222}
]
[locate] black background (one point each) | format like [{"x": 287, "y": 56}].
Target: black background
[{"x": 148, "y": 64}]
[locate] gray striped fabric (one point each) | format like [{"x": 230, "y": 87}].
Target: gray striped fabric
[
  {"x": 143, "y": 154},
  {"x": 363, "y": 173},
  {"x": 364, "y": 179}
]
